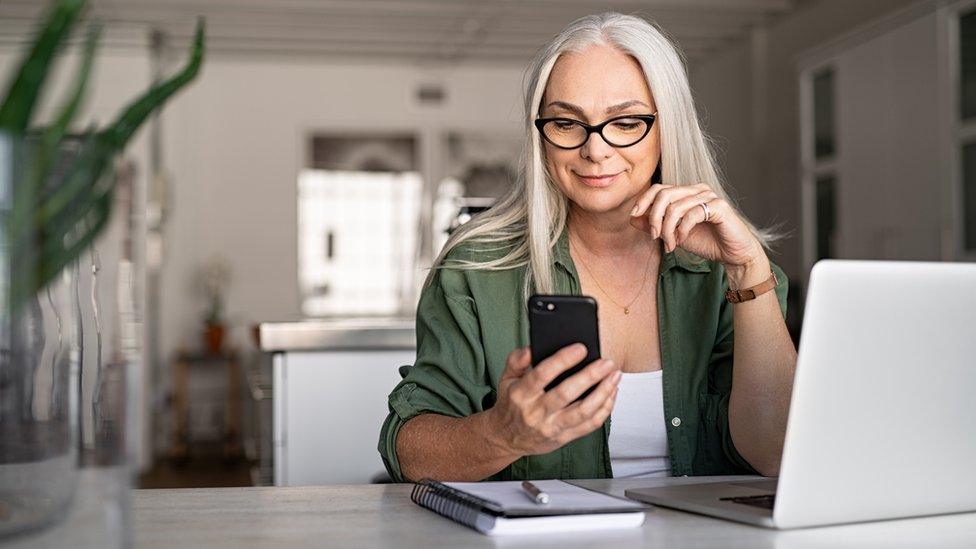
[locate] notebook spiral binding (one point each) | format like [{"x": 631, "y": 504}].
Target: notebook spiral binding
[{"x": 453, "y": 504}]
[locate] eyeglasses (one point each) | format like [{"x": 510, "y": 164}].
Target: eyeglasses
[{"x": 620, "y": 131}]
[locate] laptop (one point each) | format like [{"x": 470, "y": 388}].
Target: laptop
[{"x": 882, "y": 421}]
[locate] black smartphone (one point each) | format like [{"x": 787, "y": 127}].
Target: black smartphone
[{"x": 556, "y": 321}]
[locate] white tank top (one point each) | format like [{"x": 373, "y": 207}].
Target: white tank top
[{"x": 638, "y": 436}]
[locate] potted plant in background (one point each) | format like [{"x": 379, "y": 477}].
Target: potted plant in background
[
  {"x": 66, "y": 439},
  {"x": 214, "y": 279}
]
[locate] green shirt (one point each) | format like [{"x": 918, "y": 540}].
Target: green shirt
[{"x": 468, "y": 321}]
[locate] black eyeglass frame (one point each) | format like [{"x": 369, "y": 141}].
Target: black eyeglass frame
[{"x": 648, "y": 118}]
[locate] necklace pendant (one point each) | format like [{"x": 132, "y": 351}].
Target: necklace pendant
[{"x": 626, "y": 311}]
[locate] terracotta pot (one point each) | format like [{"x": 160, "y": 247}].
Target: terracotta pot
[{"x": 213, "y": 338}]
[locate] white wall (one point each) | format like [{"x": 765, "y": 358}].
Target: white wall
[
  {"x": 890, "y": 177},
  {"x": 235, "y": 142},
  {"x": 723, "y": 90},
  {"x": 766, "y": 172}
]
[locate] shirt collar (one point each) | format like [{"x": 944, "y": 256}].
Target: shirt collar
[
  {"x": 561, "y": 254},
  {"x": 686, "y": 260}
]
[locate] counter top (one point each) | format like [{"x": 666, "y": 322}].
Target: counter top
[
  {"x": 370, "y": 516},
  {"x": 338, "y": 334}
]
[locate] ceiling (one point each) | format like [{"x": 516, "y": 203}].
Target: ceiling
[{"x": 418, "y": 31}]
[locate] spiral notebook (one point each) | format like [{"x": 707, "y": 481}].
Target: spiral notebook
[{"x": 496, "y": 508}]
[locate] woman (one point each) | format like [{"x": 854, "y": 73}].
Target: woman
[{"x": 618, "y": 180}]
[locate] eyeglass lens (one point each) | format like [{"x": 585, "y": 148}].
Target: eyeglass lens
[{"x": 621, "y": 132}]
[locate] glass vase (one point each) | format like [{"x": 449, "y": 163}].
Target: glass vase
[{"x": 70, "y": 358}]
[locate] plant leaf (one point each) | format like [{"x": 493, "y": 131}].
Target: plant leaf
[
  {"x": 51, "y": 139},
  {"x": 55, "y": 133},
  {"x": 69, "y": 217},
  {"x": 137, "y": 111},
  {"x": 65, "y": 220},
  {"x": 21, "y": 96},
  {"x": 56, "y": 253},
  {"x": 83, "y": 173}
]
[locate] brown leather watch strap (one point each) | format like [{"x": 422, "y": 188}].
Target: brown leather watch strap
[{"x": 745, "y": 294}]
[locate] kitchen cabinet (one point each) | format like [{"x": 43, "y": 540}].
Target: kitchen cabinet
[{"x": 330, "y": 386}]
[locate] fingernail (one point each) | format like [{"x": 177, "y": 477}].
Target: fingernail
[
  {"x": 634, "y": 211},
  {"x": 579, "y": 348},
  {"x": 654, "y": 232},
  {"x": 609, "y": 363},
  {"x": 617, "y": 376}
]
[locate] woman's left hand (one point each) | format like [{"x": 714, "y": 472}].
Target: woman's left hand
[{"x": 674, "y": 214}]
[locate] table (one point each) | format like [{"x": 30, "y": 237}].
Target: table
[{"x": 367, "y": 516}]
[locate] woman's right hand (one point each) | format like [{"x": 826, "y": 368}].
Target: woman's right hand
[{"x": 526, "y": 419}]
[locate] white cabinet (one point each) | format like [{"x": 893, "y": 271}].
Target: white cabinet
[{"x": 328, "y": 410}]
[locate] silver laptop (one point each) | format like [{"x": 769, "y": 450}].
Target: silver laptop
[{"x": 882, "y": 420}]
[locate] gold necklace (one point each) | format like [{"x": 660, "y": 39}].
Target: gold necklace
[{"x": 626, "y": 307}]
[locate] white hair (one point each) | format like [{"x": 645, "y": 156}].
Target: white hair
[{"x": 526, "y": 223}]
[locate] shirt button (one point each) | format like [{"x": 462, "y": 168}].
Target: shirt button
[{"x": 676, "y": 421}]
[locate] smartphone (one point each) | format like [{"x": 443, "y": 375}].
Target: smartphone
[{"x": 556, "y": 321}]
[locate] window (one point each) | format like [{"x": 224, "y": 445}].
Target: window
[
  {"x": 821, "y": 184},
  {"x": 826, "y": 217},
  {"x": 969, "y": 195},
  {"x": 967, "y": 65},
  {"x": 358, "y": 216},
  {"x": 966, "y": 133},
  {"x": 823, "y": 114}
]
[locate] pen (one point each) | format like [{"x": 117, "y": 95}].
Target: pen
[{"x": 535, "y": 493}]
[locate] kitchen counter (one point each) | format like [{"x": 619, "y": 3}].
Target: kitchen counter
[
  {"x": 344, "y": 334},
  {"x": 330, "y": 381}
]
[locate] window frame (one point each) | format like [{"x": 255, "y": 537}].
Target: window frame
[
  {"x": 811, "y": 167},
  {"x": 960, "y": 132}
]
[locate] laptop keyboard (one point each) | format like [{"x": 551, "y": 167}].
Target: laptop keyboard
[{"x": 764, "y": 501}]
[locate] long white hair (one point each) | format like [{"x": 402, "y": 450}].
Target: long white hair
[{"x": 526, "y": 223}]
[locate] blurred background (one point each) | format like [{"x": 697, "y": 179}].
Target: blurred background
[{"x": 296, "y": 193}]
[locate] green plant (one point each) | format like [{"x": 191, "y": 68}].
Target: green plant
[{"x": 51, "y": 223}]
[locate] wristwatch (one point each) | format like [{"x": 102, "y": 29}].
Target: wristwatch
[{"x": 745, "y": 294}]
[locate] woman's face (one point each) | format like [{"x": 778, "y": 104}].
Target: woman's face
[{"x": 592, "y": 86}]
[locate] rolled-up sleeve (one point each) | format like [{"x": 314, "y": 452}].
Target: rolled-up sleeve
[
  {"x": 716, "y": 404},
  {"x": 448, "y": 376}
]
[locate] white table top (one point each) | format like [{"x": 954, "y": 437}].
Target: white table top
[{"x": 383, "y": 516}]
